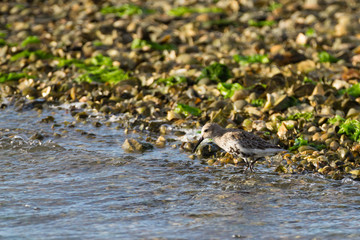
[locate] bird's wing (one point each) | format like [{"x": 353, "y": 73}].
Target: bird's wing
[{"x": 249, "y": 140}]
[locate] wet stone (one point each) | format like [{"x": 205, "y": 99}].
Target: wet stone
[
  {"x": 37, "y": 136},
  {"x": 207, "y": 150},
  {"x": 48, "y": 119},
  {"x": 81, "y": 116},
  {"x": 132, "y": 145},
  {"x": 160, "y": 142},
  {"x": 97, "y": 124},
  {"x": 29, "y": 92}
]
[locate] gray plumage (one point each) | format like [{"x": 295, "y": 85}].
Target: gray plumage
[{"x": 239, "y": 143}]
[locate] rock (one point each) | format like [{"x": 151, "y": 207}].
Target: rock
[
  {"x": 171, "y": 115},
  {"x": 334, "y": 145},
  {"x": 96, "y": 124},
  {"x": 287, "y": 56},
  {"x": 47, "y": 119},
  {"x": 282, "y": 132},
  {"x": 217, "y": 105},
  {"x": 303, "y": 107},
  {"x": 311, "y": 5},
  {"x": 186, "y": 58},
  {"x": 290, "y": 124},
  {"x": 160, "y": 142},
  {"x": 131, "y": 145},
  {"x": 350, "y": 74},
  {"x": 46, "y": 91},
  {"x": 343, "y": 152},
  {"x": 239, "y": 105},
  {"x": 330, "y": 100},
  {"x": 207, "y": 150},
  {"x": 313, "y": 129},
  {"x": 29, "y": 92},
  {"x": 145, "y": 67},
  {"x": 240, "y": 95},
  {"x": 204, "y": 81},
  {"x": 105, "y": 109},
  {"x": 339, "y": 84},
  {"x": 247, "y": 124},
  {"x": 259, "y": 125},
  {"x": 316, "y": 137},
  {"x": 281, "y": 169},
  {"x": 343, "y": 26},
  {"x": 253, "y": 111},
  {"x": 37, "y": 136},
  {"x": 303, "y": 90},
  {"x": 306, "y": 148},
  {"x": 306, "y": 66},
  {"x": 219, "y": 116},
  {"x": 355, "y": 173},
  {"x": 353, "y": 112},
  {"x": 325, "y": 170},
  {"x": 301, "y": 39},
  {"x": 327, "y": 110},
  {"x": 318, "y": 90},
  {"x": 81, "y": 116},
  {"x": 281, "y": 103}
]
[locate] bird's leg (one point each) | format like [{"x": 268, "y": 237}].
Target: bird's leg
[
  {"x": 252, "y": 167},
  {"x": 248, "y": 165},
  {"x": 252, "y": 164}
]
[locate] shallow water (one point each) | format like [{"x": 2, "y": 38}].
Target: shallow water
[{"x": 84, "y": 186}]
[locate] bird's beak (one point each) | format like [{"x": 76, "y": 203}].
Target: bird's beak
[{"x": 198, "y": 143}]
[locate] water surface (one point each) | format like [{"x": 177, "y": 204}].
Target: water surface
[{"x": 82, "y": 185}]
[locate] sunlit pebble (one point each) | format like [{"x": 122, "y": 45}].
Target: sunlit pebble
[
  {"x": 53, "y": 44},
  {"x": 237, "y": 236},
  {"x": 356, "y": 148},
  {"x": 301, "y": 39},
  {"x": 116, "y": 64},
  {"x": 355, "y": 59},
  {"x": 83, "y": 99}
]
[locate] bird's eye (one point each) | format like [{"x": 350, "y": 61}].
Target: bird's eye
[{"x": 206, "y": 130}]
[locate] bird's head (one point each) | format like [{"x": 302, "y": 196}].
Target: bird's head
[{"x": 209, "y": 130}]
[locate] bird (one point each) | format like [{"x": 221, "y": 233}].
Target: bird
[{"x": 239, "y": 143}]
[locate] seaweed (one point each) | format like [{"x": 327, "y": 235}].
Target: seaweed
[
  {"x": 300, "y": 141},
  {"x": 172, "y": 80},
  {"x": 301, "y": 115},
  {"x": 125, "y": 10},
  {"x": 140, "y": 43},
  {"x": 351, "y": 128},
  {"x": 262, "y": 23},
  {"x": 310, "y": 32},
  {"x": 327, "y": 57},
  {"x": 256, "y": 58},
  {"x": 13, "y": 76},
  {"x": 180, "y": 11},
  {"x": 216, "y": 72},
  {"x": 228, "y": 89},
  {"x": 187, "y": 110},
  {"x": 274, "y": 5},
  {"x": 30, "y": 40},
  {"x": 258, "y": 102},
  {"x": 354, "y": 90},
  {"x": 39, "y": 54},
  {"x": 97, "y": 69}
]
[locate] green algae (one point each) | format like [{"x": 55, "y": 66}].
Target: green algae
[{"x": 216, "y": 72}]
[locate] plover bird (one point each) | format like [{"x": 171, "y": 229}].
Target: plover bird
[{"x": 239, "y": 143}]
